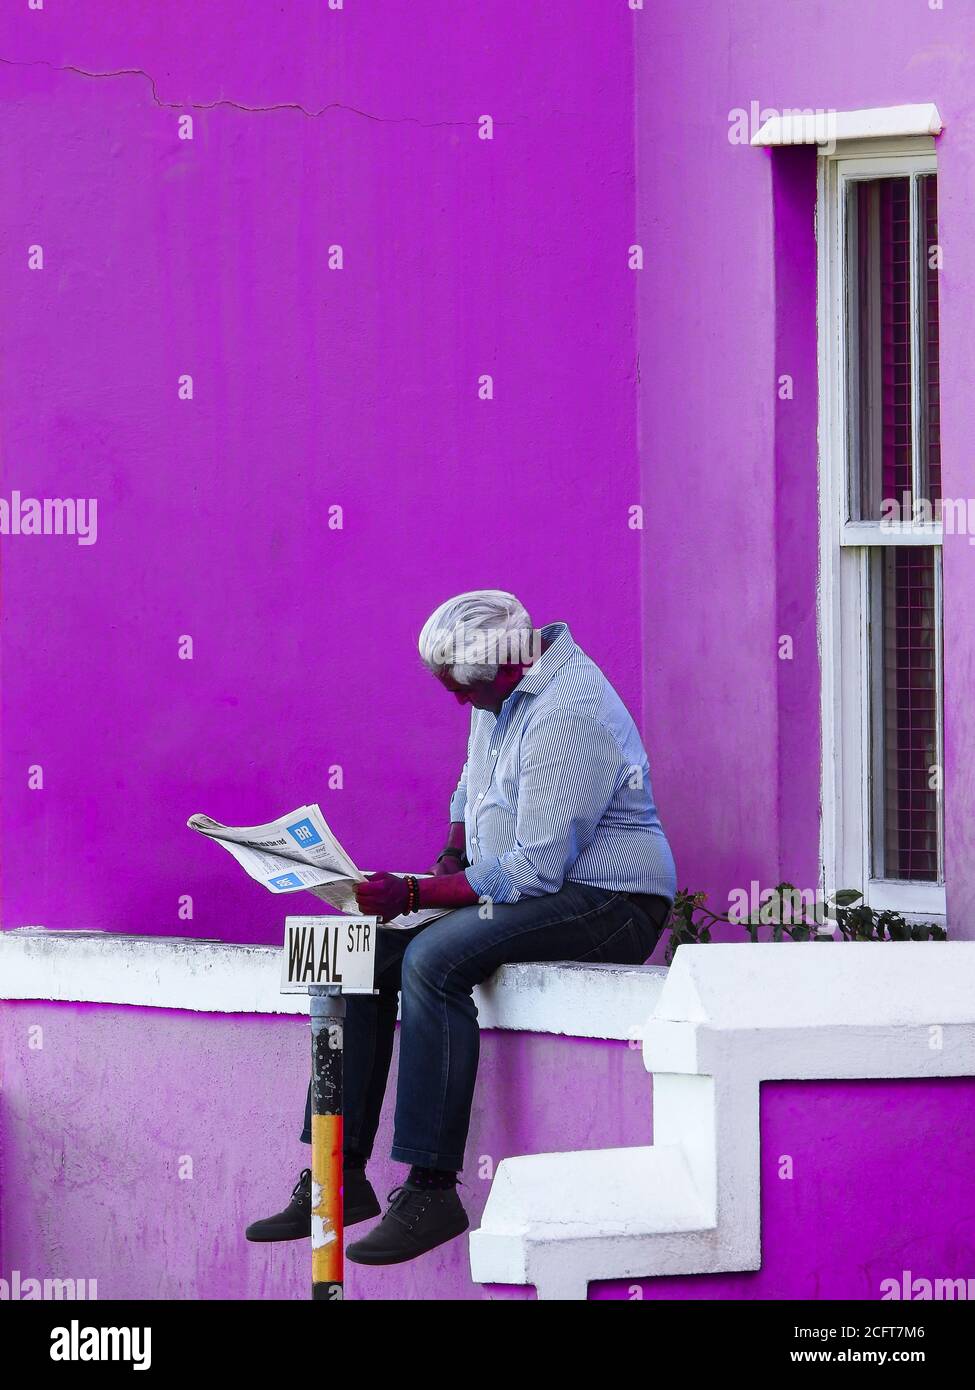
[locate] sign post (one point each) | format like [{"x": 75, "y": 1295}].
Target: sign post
[
  {"x": 329, "y": 957},
  {"x": 327, "y": 1055}
]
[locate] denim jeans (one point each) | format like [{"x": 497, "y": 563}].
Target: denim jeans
[{"x": 435, "y": 968}]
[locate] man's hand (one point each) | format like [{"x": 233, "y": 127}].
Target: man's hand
[{"x": 382, "y": 895}]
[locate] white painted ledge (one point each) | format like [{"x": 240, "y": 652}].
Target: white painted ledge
[
  {"x": 823, "y": 127},
  {"x": 728, "y": 1018},
  {"x": 165, "y": 972}
]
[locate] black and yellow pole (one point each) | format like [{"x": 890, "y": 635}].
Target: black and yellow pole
[{"x": 327, "y": 1043}]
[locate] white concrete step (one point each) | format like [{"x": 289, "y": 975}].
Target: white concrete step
[
  {"x": 596, "y": 1191},
  {"x": 603, "y": 1205}
]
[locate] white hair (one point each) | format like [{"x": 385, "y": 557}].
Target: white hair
[{"x": 472, "y": 635}]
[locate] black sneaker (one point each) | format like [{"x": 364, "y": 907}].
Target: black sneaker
[
  {"x": 417, "y": 1220},
  {"x": 359, "y": 1202}
]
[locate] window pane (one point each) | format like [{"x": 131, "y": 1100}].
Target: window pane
[
  {"x": 905, "y": 717},
  {"x": 878, "y": 269},
  {"x": 928, "y": 259}
]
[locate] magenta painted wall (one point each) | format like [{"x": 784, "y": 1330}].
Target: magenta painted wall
[
  {"x": 358, "y": 388},
  {"x": 874, "y": 1190},
  {"x": 858, "y": 1187},
  {"x": 90, "y": 1169},
  {"x": 312, "y": 388},
  {"x": 726, "y": 305},
  {"x": 95, "y": 1124}
]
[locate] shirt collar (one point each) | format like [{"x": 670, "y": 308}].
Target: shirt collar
[{"x": 560, "y": 648}]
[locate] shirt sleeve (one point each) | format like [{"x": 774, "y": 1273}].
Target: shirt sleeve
[
  {"x": 570, "y": 765},
  {"x": 458, "y": 802}
]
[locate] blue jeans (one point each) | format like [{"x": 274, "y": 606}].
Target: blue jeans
[{"x": 435, "y": 968}]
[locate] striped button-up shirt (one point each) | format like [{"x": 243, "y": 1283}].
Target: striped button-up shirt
[{"x": 556, "y": 787}]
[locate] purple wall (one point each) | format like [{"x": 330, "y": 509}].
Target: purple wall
[
  {"x": 91, "y": 1169},
  {"x": 358, "y": 388},
  {"x": 840, "y": 1224},
  {"x": 95, "y": 1165},
  {"x": 311, "y": 388},
  {"x": 727, "y": 304}
]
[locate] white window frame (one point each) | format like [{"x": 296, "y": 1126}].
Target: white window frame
[{"x": 846, "y": 551}]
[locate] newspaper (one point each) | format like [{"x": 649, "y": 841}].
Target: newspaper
[{"x": 298, "y": 853}]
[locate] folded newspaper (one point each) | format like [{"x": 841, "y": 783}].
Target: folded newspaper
[{"x": 298, "y": 853}]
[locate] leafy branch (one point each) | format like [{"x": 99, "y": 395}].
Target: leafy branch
[{"x": 787, "y": 913}]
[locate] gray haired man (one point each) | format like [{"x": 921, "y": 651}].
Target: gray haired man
[{"x": 554, "y": 852}]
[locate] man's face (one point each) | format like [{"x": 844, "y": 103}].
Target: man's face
[{"x": 489, "y": 695}]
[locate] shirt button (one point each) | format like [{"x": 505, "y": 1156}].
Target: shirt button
[{"x": 494, "y": 752}]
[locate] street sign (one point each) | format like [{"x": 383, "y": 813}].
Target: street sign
[{"x": 329, "y": 951}]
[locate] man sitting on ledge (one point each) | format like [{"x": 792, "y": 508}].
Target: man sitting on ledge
[{"x": 555, "y": 853}]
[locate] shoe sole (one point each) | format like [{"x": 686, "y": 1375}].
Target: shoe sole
[
  {"x": 367, "y": 1258},
  {"x": 274, "y": 1239},
  {"x": 351, "y": 1218}
]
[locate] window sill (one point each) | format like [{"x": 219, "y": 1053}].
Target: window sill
[
  {"x": 920, "y": 901},
  {"x": 890, "y": 533}
]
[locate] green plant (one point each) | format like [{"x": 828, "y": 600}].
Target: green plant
[{"x": 786, "y": 912}]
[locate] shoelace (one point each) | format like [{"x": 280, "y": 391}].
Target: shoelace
[
  {"x": 303, "y": 1181},
  {"x": 404, "y": 1210}
]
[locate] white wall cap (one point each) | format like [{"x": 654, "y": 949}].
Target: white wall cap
[
  {"x": 790, "y": 984},
  {"x": 176, "y": 972}
]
